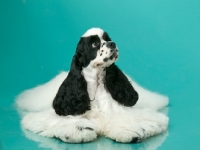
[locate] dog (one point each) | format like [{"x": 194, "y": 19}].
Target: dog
[{"x": 95, "y": 98}]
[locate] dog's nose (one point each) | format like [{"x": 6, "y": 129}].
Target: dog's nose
[{"x": 111, "y": 45}]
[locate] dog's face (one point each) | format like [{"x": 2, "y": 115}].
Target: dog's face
[{"x": 97, "y": 49}]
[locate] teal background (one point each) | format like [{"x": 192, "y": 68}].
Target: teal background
[{"x": 159, "y": 45}]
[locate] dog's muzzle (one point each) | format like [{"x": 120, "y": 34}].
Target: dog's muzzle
[{"x": 113, "y": 51}]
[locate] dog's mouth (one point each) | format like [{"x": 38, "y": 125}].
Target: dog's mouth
[{"x": 107, "y": 61}]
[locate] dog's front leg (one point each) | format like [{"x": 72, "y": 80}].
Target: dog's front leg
[
  {"x": 135, "y": 127},
  {"x": 71, "y": 129}
]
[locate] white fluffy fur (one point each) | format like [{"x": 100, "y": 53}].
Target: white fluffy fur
[
  {"x": 106, "y": 117},
  {"x": 101, "y": 144},
  {"x": 93, "y": 31},
  {"x": 110, "y": 119}
]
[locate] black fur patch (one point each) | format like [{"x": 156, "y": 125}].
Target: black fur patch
[
  {"x": 105, "y": 59},
  {"x": 106, "y": 36},
  {"x": 134, "y": 140},
  {"x": 88, "y": 128},
  {"x": 119, "y": 87}
]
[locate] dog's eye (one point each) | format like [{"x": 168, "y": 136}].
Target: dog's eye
[{"x": 95, "y": 44}]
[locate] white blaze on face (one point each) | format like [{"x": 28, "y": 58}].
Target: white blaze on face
[{"x": 93, "y": 31}]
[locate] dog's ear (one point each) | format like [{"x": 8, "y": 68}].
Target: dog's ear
[
  {"x": 119, "y": 87},
  {"x": 72, "y": 97}
]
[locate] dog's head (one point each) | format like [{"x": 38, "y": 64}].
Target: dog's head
[{"x": 96, "y": 49}]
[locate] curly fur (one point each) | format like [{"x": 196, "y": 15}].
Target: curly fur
[
  {"x": 119, "y": 87},
  {"x": 72, "y": 97}
]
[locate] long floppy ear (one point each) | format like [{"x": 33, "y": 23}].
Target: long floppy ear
[
  {"x": 119, "y": 87},
  {"x": 72, "y": 97}
]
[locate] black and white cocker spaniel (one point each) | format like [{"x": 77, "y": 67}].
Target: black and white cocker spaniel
[{"x": 95, "y": 98}]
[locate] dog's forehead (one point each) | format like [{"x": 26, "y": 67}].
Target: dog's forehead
[{"x": 94, "y": 31}]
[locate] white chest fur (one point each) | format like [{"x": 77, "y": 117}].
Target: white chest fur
[{"x": 95, "y": 87}]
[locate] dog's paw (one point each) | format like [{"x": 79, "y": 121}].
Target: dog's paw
[
  {"x": 135, "y": 133},
  {"x": 127, "y": 136},
  {"x": 67, "y": 129},
  {"x": 76, "y": 134},
  {"x": 135, "y": 129}
]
